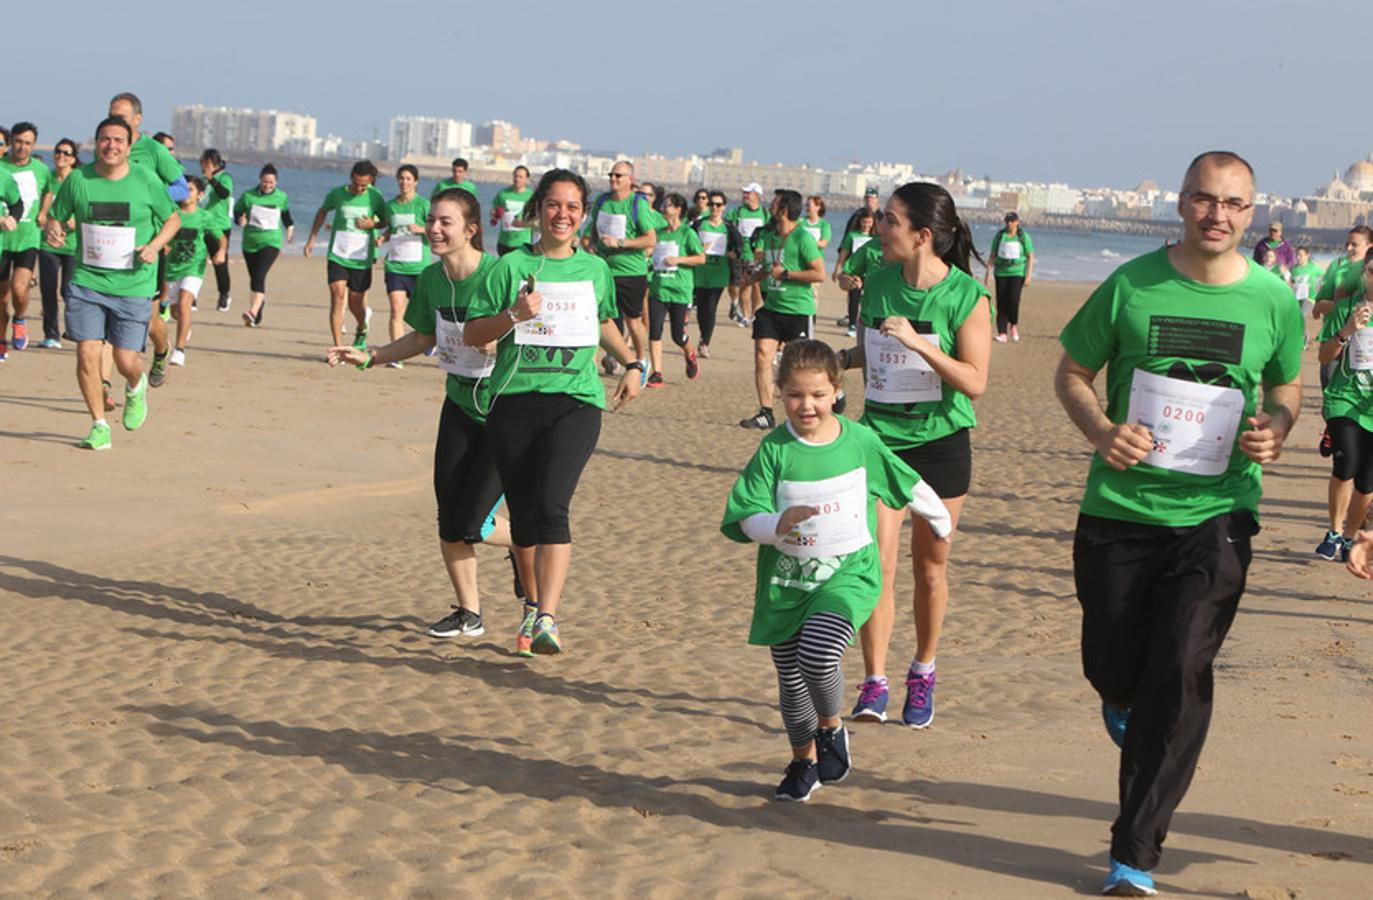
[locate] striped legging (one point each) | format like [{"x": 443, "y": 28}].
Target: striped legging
[{"x": 809, "y": 684}]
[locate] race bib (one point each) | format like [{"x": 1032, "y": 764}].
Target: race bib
[
  {"x": 28, "y": 190},
  {"x": 1360, "y": 350},
  {"x": 1302, "y": 288},
  {"x": 406, "y": 248},
  {"x": 859, "y": 240},
  {"x": 896, "y": 373},
  {"x": 840, "y": 528},
  {"x": 1193, "y": 425},
  {"x": 513, "y": 208},
  {"x": 813, "y": 231},
  {"x": 611, "y": 225},
  {"x": 107, "y": 246},
  {"x": 455, "y": 357},
  {"x": 267, "y": 218},
  {"x": 351, "y": 214},
  {"x": 566, "y": 319},
  {"x": 661, "y": 251},
  {"x": 350, "y": 245},
  {"x": 713, "y": 242},
  {"x": 748, "y": 226},
  {"x": 1008, "y": 250}
]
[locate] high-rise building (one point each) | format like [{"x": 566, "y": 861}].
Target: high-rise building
[
  {"x": 239, "y": 129},
  {"x": 498, "y": 135},
  {"x": 425, "y": 136}
]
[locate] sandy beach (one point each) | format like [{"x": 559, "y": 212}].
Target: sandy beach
[{"x": 214, "y": 678}]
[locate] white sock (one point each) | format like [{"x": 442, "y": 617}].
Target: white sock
[
  {"x": 920, "y": 668},
  {"x": 880, "y": 679},
  {"x": 98, "y": 422}
]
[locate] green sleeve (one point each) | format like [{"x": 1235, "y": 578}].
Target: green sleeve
[
  {"x": 1090, "y": 337},
  {"x": 63, "y": 205},
  {"x": 889, "y": 478},
  {"x": 1286, "y": 362},
  {"x": 331, "y": 200},
  {"x": 846, "y": 245},
  {"x": 491, "y": 296},
  {"x": 419, "y": 313},
  {"x": 606, "y": 306},
  {"x": 693, "y": 243},
  {"x": 809, "y": 251},
  {"x": 1336, "y": 319},
  {"x": 825, "y": 231},
  {"x": 241, "y": 208},
  {"x": 754, "y": 492},
  {"x": 161, "y": 202},
  {"x": 168, "y": 169},
  {"x": 1029, "y": 244}
]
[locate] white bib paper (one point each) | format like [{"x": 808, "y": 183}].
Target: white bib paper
[
  {"x": 842, "y": 524},
  {"x": 1008, "y": 249},
  {"x": 896, "y": 373},
  {"x": 661, "y": 251},
  {"x": 611, "y": 225},
  {"x": 566, "y": 319},
  {"x": 1302, "y": 288},
  {"x": 1193, "y": 425},
  {"x": 28, "y": 190},
  {"x": 107, "y": 246},
  {"x": 406, "y": 248},
  {"x": 513, "y": 208},
  {"x": 455, "y": 357},
  {"x": 859, "y": 240},
  {"x": 1360, "y": 350},
  {"x": 813, "y": 231},
  {"x": 267, "y": 218},
  {"x": 350, "y": 245},
  {"x": 748, "y": 226},
  {"x": 714, "y": 243}
]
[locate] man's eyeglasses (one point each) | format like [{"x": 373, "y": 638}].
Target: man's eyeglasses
[
  {"x": 617, "y": 175},
  {"x": 1203, "y": 202}
]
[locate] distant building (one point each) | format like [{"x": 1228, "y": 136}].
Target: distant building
[
  {"x": 498, "y": 135},
  {"x": 730, "y": 177},
  {"x": 249, "y": 130},
  {"x": 425, "y": 136},
  {"x": 664, "y": 170}
]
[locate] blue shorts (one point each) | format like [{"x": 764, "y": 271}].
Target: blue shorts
[
  {"x": 120, "y": 321},
  {"x": 399, "y": 281}
]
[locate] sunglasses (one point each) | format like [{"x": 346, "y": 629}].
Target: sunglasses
[
  {"x": 716, "y": 203},
  {"x": 617, "y": 175},
  {"x": 63, "y": 153}
]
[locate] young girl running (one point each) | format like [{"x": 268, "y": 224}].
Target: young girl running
[
  {"x": 466, "y": 485},
  {"x": 809, "y": 497}
]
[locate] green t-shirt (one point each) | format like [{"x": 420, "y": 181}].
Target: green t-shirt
[
  {"x": 218, "y": 207},
  {"x": 399, "y": 217},
  {"x": 105, "y": 211},
  {"x": 938, "y": 311},
  {"x": 1011, "y": 253},
  {"x": 854, "y": 241},
  {"x": 436, "y": 296},
  {"x": 263, "y": 228},
  {"x": 790, "y": 589},
  {"x": 868, "y": 258},
  {"x": 1349, "y": 393},
  {"x": 349, "y": 245},
  {"x": 68, "y": 247},
  {"x": 1343, "y": 275},
  {"x": 1147, "y": 318},
  {"x": 533, "y": 368},
  {"x": 9, "y": 197},
  {"x": 1306, "y": 280},
  {"x": 677, "y": 285},
  {"x": 715, "y": 273},
  {"x": 447, "y": 183},
  {"x": 747, "y": 222},
  {"x": 629, "y": 218},
  {"x": 819, "y": 230},
  {"x": 186, "y": 251},
  {"x": 156, "y": 158},
  {"x": 31, "y": 179},
  {"x": 795, "y": 252},
  {"x": 513, "y": 202}
]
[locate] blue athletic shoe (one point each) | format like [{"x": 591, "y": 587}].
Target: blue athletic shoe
[
  {"x": 872, "y": 702},
  {"x": 919, "y": 711},
  {"x": 1330, "y": 545},
  {"x": 1127, "y": 881},
  {"x": 1345, "y": 546},
  {"x": 1116, "y": 718}
]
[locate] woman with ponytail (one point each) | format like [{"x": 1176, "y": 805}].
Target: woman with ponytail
[{"x": 924, "y": 344}]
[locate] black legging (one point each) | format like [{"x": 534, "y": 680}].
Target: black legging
[
  {"x": 54, "y": 277},
  {"x": 707, "y": 300},
  {"x": 541, "y": 443},
  {"x": 466, "y": 485},
  {"x": 1352, "y": 458},
  {"x": 212, "y": 242},
  {"x": 677, "y": 312},
  {"x": 259, "y": 264},
  {"x": 1008, "y": 301},
  {"x": 855, "y": 297}
]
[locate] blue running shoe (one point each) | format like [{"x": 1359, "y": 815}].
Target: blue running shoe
[
  {"x": 872, "y": 702},
  {"x": 1116, "y": 718},
  {"x": 1127, "y": 881},
  {"x": 919, "y": 711},
  {"x": 1329, "y": 547},
  {"x": 801, "y": 780},
  {"x": 834, "y": 762},
  {"x": 1345, "y": 546}
]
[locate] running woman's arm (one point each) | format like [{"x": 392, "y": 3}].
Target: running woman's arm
[
  {"x": 966, "y": 372},
  {"x": 1029, "y": 268},
  {"x": 1331, "y": 349},
  {"x": 412, "y": 344},
  {"x": 314, "y": 230},
  {"x": 613, "y": 343},
  {"x": 1269, "y": 428},
  {"x": 43, "y": 210},
  {"x": 1121, "y": 446},
  {"x": 839, "y": 263}
]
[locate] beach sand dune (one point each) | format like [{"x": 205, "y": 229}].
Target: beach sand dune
[{"x": 213, "y": 677}]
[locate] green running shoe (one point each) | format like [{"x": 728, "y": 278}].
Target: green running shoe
[
  {"x": 136, "y": 405},
  {"x": 99, "y": 438},
  {"x": 360, "y": 336},
  {"x": 524, "y": 637},
  {"x": 546, "y": 641}
]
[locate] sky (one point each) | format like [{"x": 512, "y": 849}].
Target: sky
[{"x": 1087, "y": 92}]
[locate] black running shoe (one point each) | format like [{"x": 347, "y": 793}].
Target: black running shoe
[
  {"x": 762, "y": 420},
  {"x": 460, "y": 622},
  {"x": 801, "y": 780},
  {"x": 832, "y": 751},
  {"x": 840, "y": 404}
]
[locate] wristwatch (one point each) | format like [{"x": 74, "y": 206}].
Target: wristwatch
[
  {"x": 785, "y": 274},
  {"x": 637, "y": 365}
]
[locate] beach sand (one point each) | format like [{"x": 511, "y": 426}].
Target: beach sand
[{"x": 213, "y": 676}]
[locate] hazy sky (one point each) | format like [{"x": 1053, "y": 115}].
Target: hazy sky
[{"x": 1091, "y": 92}]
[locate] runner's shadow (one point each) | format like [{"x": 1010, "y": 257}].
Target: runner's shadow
[
  {"x": 46, "y": 437},
  {"x": 662, "y": 460}
]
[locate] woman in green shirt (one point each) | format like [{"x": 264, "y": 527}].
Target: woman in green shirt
[
  {"x": 219, "y": 200},
  {"x": 548, "y": 305},
  {"x": 925, "y": 342},
  {"x": 55, "y": 264},
  {"x": 262, "y": 212},
  {"x": 408, "y": 252},
  {"x": 866, "y": 224},
  {"x": 671, "y": 286}
]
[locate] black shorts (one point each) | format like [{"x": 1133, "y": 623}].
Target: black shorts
[
  {"x": 946, "y": 463},
  {"x": 775, "y": 326},
  {"x": 629, "y": 295},
  {"x": 398, "y": 281},
  {"x": 359, "y": 280},
  {"x": 17, "y": 259},
  {"x": 1352, "y": 458}
]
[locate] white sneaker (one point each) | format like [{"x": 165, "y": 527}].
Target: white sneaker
[
  {"x": 1000, "y": 339},
  {"x": 178, "y": 358}
]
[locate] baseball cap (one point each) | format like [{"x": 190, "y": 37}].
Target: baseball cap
[
  {"x": 870, "y": 192},
  {"x": 753, "y": 187}
]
